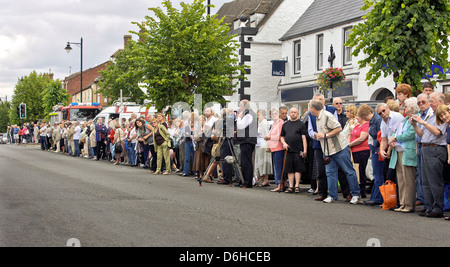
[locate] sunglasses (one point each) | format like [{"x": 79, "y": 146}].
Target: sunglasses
[
  {"x": 421, "y": 102},
  {"x": 381, "y": 112},
  {"x": 339, "y": 103}
]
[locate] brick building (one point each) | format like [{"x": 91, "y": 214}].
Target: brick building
[{"x": 90, "y": 78}]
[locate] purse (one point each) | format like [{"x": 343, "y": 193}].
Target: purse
[
  {"x": 118, "y": 149},
  {"x": 215, "y": 151}
]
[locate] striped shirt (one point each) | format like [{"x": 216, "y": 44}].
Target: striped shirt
[{"x": 326, "y": 122}]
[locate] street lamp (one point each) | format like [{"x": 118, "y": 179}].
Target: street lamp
[{"x": 68, "y": 49}]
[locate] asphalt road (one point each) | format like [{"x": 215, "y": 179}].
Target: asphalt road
[{"x": 47, "y": 199}]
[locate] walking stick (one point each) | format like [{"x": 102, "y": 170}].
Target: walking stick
[{"x": 282, "y": 173}]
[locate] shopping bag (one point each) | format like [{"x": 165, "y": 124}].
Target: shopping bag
[
  {"x": 447, "y": 197},
  {"x": 389, "y": 193}
]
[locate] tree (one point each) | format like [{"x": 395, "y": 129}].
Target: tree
[
  {"x": 29, "y": 90},
  {"x": 5, "y": 107},
  {"x": 123, "y": 73},
  {"x": 183, "y": 53},
  {"x": 404, "y": 38},
  {"x": 54, "y": 94}
]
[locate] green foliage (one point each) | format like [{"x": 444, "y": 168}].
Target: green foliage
[
  {"x": 404, "y": 38},
  {"x": 54, "y": 94},
  {"x": 123, "y": 73},
  {"x": 4, "y": 115},
  {"x": 185, "y": 53},
  {"x": 29, "y": 90}
]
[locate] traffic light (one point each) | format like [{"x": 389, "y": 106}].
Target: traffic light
[{"x": 23, "y": 111}]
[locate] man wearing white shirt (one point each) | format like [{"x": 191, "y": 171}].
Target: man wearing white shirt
[{"x": 247, "y": 132}]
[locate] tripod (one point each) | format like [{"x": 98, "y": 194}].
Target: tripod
[{"x": 232, "y": 161}]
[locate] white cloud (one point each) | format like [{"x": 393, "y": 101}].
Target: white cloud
[{"x": 33, "y": 34}]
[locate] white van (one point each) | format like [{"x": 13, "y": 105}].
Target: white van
[{"x": 124, "y": 110}]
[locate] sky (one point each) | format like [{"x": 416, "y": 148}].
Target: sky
[{"x": 33, "y": 34}]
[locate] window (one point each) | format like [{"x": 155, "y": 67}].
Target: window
[
  {"x": 446, "y": 88},
  {"x": 347, "y": 49},
  {"x": 297, "y": 57},
  {"x": 320, "y": 52}
]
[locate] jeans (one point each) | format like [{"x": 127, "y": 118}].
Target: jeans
[
  {"x": 341, "y": 159},
  {"x": 131, "y": 153},
  {"x": 378, "y": 177},
  {"x": 189, "y": 155},
  {"x": 278, "y": 159},
  {"x": 77, "y": 148},
  {"x": 43, "y": 142},
  {"x": 419, "y": 188}
]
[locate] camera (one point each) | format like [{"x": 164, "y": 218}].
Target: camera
[{"x": 327, "y": 160}]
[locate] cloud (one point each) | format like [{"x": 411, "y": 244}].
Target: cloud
[{"x": 33, "y": 34}]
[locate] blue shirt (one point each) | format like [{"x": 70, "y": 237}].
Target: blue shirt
[
  {"x": 448, "y": 135},
  {"x": 374, "y": 128},
  {"x": 423, "y": 115}
]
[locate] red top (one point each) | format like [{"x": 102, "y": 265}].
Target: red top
[
  {"x": 356, "y": 133},
  {"x": 111, "y": 135}
]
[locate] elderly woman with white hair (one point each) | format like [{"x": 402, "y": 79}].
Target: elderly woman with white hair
[{"x": 404, "y": 159}]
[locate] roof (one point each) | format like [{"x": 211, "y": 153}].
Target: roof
[
  {"x": 325, "y": 14},
  {"x": 235, "y": 9}
]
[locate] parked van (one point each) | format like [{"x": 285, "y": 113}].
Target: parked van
[{"x": 124, "y": 110}]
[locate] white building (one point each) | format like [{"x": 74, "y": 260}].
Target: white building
[
  {"x": 306, "y": 45},
  {"x": 272, "y": 18}
]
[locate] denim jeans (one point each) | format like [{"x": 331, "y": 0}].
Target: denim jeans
[
  {"x": 189, "y": 156},
  {"x": 341, "y": 159},
  {"x": 131, "y": 150},
  {"x": 76, "y": 143},
  {"x": 43, "y": 142},
  {"x": 419, "y": 188},
  {"x": 278, "y": 158},
  {"x": 378, "y": 177}
]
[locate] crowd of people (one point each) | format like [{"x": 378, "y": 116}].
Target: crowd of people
[{"x": 405, "y": 140}]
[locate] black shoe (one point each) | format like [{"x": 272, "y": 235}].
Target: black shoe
[
  {"x": 371, "y": 203},
  {"x": 434, "y": 215},
  {"x": 184, "y": 175},
  {"x": 422, "y": 213}
]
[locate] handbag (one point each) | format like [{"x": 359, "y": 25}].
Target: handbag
[
  {"x": 389, "y": 193},
  {"x": 356, "y": 167},
  {"x": 215, "y": 151},
  {"x": 369, "y": 170},
  {"x": 118, "y": 146}
]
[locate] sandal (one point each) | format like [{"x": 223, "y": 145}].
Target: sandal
[
  {"x": 447, "y": 218},
  {"x": 297, "y": 189},
  {"x": 290, "y": 190}
]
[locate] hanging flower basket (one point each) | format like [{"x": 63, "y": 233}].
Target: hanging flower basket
[{"x": 330, "y": 78}]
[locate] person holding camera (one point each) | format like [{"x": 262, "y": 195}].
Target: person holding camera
[{"x": 336, "y": 152}]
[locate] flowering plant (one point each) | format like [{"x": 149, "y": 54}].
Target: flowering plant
[{"x": 330, "y": 76}]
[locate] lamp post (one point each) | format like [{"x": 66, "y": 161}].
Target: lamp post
[{"x": 68, "y": 49}]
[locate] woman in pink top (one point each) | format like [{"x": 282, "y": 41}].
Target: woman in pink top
[
  {"x": 276, "y": 147},
  {"x": 359, "y": 146}
]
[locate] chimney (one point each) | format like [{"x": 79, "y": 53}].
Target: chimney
[
  {"x": 126, "y": 38},
  {"x": 143, "y": 23}
]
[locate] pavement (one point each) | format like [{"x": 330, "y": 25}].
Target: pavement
[{"x": 48, "y": 199}]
